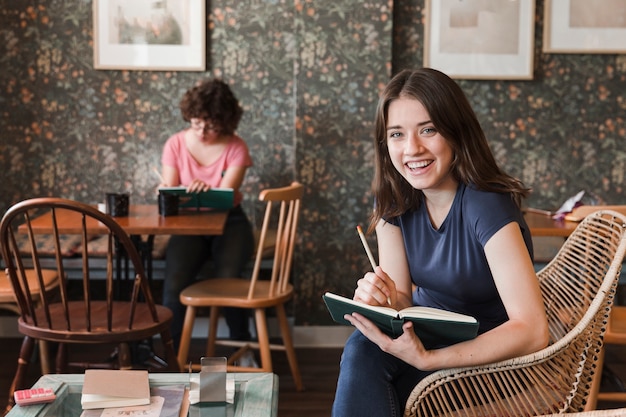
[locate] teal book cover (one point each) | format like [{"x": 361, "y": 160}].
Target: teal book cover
[
  {"x": 433, "y": 326},
  {"x": 216, "y": 198}
]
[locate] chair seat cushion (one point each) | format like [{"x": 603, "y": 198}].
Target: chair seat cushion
[
  {"x": 98, "y": 247},
  {"x": 232, "y": 292},
  {"x": 50, "y": 280},
  {"x": 143, "y": 325},
  {"x": 45, "y": 244}
]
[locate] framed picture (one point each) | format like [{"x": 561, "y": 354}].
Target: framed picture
[
  {"x": 585, "y": 26},
  {"x": 480, "y": 39},
  {"x": 154, "y": 35}
]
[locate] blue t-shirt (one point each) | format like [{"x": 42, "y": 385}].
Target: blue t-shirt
[{"x": 448, "y": 265}]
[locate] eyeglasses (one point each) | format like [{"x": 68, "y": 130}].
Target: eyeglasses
[{"x": 204, "y": 125}]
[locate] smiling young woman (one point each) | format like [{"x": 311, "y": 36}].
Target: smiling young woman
[{"x": 451, "y": 235}]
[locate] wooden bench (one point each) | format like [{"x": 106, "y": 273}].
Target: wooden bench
[{"x": 71, "y": 246}]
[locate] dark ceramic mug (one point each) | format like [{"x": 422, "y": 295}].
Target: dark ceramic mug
[
  {"x": 117, "y": 204},
  {"x": 168, "y": 204}
]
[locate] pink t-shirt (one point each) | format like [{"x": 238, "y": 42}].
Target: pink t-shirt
[{"x": 176, "y": 155}]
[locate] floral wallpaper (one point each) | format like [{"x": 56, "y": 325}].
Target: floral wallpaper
[
  {"x": 308, "y": 73},
  {"x": 562, "y": 132}
]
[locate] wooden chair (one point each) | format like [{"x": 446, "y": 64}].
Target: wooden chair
[
  {"x": 7, "y": 302},
  {"x": 615, "y": 334},
  {"x": 91, "y": 314},
  {"x": 256, "y": 294},
  {"x": 578, "y": 288}
]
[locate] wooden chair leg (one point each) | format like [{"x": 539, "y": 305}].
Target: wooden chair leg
[
  {"x": 288, "y": 343},
  {"x": 170, "y": 353},
  {"x": 616, "y": 394},
  {"x": 264, "y": 340},
  {"x": 592, "y": 401},
  {"x": 61, "y": 358},
  {"x": 212, "y": 337},
  {"x": 26, "y": 351},
  {"x": 124, "y": 356},
  {"x": 44, "y": 357},
  {"x": 185, "y": 337}
]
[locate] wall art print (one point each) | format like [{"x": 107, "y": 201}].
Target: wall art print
[
  {"x": 585, "y": 26},
  {"x": 158, "y": 35},
  {"x": 480, "y": 39}
]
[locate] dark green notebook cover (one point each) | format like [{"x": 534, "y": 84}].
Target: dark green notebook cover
[
  {"x": 433, "y": 331},
  {"x": 217, "y": 198}
]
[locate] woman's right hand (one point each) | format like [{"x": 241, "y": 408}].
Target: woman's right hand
[{"x": 376, "y": 288}]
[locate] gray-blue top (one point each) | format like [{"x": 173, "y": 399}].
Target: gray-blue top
[{"x": 448, "y": 265}]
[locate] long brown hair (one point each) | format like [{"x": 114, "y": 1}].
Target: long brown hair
[{"x": 455, "y": 119}]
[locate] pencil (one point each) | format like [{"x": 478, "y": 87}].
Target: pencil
[
  {"x": 158, "y": 174},
  {"x": 369, "y": 252},
  {"x": 366, "y": 246}
]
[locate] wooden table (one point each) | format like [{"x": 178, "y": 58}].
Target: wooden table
[
  {"x": 542, "y": 225},
  {"x": 256, "y": 395},
  {"x": 141, "y": 220}
]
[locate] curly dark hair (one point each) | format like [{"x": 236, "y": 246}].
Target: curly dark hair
[{"x": 212, "y": 100}]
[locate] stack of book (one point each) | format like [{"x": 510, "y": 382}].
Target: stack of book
[{"x": 126, "y": 392}]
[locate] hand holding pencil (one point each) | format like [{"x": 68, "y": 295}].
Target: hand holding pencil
[{"x": 369, "y": 253}]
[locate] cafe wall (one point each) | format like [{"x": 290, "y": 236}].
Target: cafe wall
[{"x": 308, "y": 73}]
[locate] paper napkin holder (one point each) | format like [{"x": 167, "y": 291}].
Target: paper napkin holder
[{"x": 211, "y": 384}]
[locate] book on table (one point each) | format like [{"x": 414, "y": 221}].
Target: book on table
[
  {"x": 106, "y": 388},
  {"x": 545, "y": 212},
  {"x": 216, "y": 198},
  {"x": 434, "y": 327},
  {"x": 165, "y": 401}
]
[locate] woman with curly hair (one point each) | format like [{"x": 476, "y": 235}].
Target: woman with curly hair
[{"x": 208, "y": 154}]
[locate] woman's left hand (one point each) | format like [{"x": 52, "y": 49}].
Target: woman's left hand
[
  {"x": 197, "y": 186},
  {"x": 407, "y": 347}
]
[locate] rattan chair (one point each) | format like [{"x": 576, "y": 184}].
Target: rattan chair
[
  {"x": 617, "y": 412},
  {"x": 578, "y": 288},
  {"x": 615, "y": 335},
  {"x": 257, "y": 294},
  {"x": 90, "y": 315}
]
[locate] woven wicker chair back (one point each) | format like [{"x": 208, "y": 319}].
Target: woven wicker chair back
[{"x": 578, "y": 288}]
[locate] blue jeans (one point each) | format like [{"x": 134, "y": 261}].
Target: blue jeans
[
  {"x": 372, "y": 382},
  {"x": 187, "y": 258}
]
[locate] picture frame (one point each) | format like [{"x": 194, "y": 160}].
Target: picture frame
[
  {"x": 480, "y": 39},
  {"x": 154, "y": 35},
  {"x": 584, "y": 26}
]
